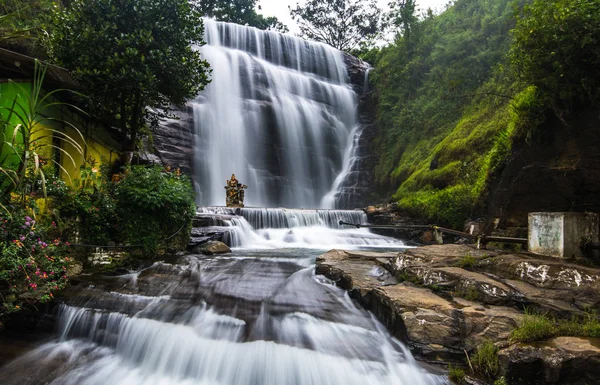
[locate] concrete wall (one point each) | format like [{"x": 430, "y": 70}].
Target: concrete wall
[{"x": 561, "y": 234}]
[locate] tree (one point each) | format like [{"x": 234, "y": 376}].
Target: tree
[
  {"x": 21, "y": 24},
  {"x": 131, "y": 56},
  {"x": 402, "y": 16},
  {"x": 557, "y": 49},
  {"x": 239, "y": 11},
  {"x": 343, "y": 24}
]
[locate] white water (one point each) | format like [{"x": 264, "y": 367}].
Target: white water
[
  {"x": 273, "y": 228},
  {"x": 279, "y": 113},
  {"x": 271, "y": 322}
]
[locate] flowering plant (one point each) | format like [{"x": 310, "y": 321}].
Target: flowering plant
[{"x": 31, "y": 268}]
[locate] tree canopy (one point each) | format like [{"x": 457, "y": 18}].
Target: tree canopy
[
  {"x": 343, "y": 24},
  {"x": 131, "y": 55},
  {"x": 557, "y": 49},
  {"x": 239, "y": 11}
]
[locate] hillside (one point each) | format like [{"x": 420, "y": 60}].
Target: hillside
[{"x": 463, "y": 93}]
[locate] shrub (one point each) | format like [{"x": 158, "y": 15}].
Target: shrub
[
  {"x": 456, "y": 374},
  {"x": 485, "y": 359},
  {"x": 31, "y": 266},
  {"x": 153, "y": 205}
]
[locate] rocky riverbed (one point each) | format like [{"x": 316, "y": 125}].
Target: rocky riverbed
[{"x": 444, "y": 301}]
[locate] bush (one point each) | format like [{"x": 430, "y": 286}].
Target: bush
[
  {"x": 556, "y": 49},
  {"x": 485, "y": 360},
  {"x": 153, "y": 205},
  {"x": 456, "y": 374},
  {"x": 32, "y": 267}
]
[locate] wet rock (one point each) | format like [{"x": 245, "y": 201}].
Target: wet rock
[
  {"x": 74, "y": 268},
  {"x": 211, "y": 248},
  {"x": 436, "y": 327},
  {"x": 561, "y": 360},
  {"x": 174, "y": 140}
]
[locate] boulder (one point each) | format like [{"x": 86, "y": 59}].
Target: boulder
[
  {"x": 560, "y": 360},
  {"x": 211, "y": 248},
  {"x": 74, "y": 268}
]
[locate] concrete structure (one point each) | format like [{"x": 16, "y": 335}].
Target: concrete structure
[{"x": 561, "y": 234}]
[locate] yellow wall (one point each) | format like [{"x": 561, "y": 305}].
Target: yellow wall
[{"x": 98, "y": 143}]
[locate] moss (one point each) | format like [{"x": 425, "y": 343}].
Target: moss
[
  {"x": 485, "y": 360},
  {"x": 456, "y": 374}
]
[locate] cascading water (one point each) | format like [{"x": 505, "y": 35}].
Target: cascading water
[
  {"x": 279, "y": 113},
  {"x": 260, "y": 228},
  {"x": 239, "y": 320}
]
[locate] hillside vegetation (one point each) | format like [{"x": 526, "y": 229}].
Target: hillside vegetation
[{"x": 456, "y": 92}]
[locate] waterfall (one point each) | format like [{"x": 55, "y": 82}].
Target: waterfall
[
  {"x": 271, "y": 228},
  {"x": 279, "y": 113}
]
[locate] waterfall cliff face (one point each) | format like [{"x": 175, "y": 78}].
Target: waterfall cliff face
[{"x": 280, "y": 113}]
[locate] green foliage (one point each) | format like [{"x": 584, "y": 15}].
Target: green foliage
[
  {"x": 240, "y": 12},
  {"x": 28, "y": 127},
  {"x": 467, "y": 261},
  {"x": 557, "y": 50},
  {"x": 32, "y": 267},
  {"x": 533, "y": 327},
  {"x": 500, "y": 381},
  {"x": 343, "y": 24},
  {"x": 22, "y": 24},
  {"x": 131, "y": 56},
  {"x": 152, "y": 205},
  {"x": 485, "y": 359},
  {"x": 537, "y": 327},
  {"x": 444, "y": 108},
  {"x": 456, "y": 374}
]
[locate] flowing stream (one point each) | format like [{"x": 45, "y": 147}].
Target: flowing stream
[{"x": 253, "y": 317}]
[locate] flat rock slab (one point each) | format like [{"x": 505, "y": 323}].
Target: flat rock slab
[
  {"x": 519, "y": 280},
  {"x": 560, "y": 360},
  {"x": 436, "y": 327}
]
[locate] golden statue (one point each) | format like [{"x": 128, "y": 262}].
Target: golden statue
[{"x": 234, "y": 192}]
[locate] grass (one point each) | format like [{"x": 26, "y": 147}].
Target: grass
[
  {"x": 485, "y": 359},
  {"x": 467, "y": 262},
  {"x": 456, "y": 374},
  {"x": 500, "y": 381},
  {"x": 470, "y": 294},
  {"x": 538, "y": 327}
]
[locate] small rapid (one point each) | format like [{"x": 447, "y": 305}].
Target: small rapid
[
  {"x": 272, "y": 228},
  {"x": 249, "y": 318}
]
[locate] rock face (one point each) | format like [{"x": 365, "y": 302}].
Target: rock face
[
  {"x": 356, "y": 189},
  {"x": 559, "y": 171},
  {"x": 445, "y": 300},
  {"x": 174, "y": 140},
  {"x": 560, "y": 360}
]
